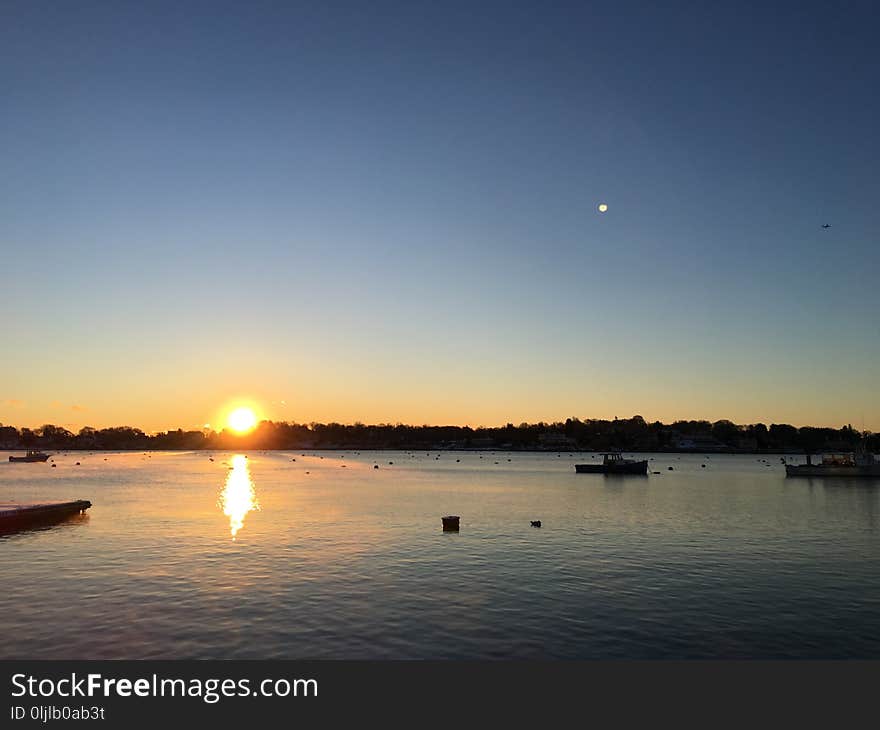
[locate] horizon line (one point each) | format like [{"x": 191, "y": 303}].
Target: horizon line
[{"x": 400, "y": 424}]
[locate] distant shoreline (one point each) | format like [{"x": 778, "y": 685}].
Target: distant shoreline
[
  {"x": 633, "y": 435},
  {"x": 727, "y": 452}
]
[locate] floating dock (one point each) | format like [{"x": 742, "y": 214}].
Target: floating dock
[{"x": 15, "y": 515}]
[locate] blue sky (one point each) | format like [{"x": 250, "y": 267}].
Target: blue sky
[{"x": 387, "y": 211}]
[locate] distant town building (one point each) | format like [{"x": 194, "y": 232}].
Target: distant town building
[
  {"x": 700, "y": 443},
  {"x": 747, "y": 443},
  {"x": 556, "y": 441}
]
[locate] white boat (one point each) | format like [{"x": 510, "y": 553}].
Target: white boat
[{"x": 850, "y": 464}]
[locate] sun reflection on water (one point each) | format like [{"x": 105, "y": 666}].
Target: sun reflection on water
[{"x": 238, "y": 496}]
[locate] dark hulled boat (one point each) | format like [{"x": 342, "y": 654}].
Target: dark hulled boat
[
  {"x": 31, "y": 456},
  {"x": 613, "y": 463},
  {"x": 14, "y": 516}
]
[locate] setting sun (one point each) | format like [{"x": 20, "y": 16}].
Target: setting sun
[{"x": 242, "y": 420}]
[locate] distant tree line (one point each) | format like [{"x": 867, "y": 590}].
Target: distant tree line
[{"x": 629, "y": 434}]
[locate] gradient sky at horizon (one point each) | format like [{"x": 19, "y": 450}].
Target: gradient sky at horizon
[{"x": 387, "y": 212}]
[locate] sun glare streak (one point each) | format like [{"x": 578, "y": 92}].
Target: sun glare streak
[{"x": 238, "y": 496}]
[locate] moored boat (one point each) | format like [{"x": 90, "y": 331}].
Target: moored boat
[
  {"x": 860, "y": 464},
  {"x": 31, "y": 456},
  {"x": 613, "y": 463},
  {"x": 15, "y": 516}
]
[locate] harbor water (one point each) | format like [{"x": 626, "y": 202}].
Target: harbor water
[{"x": 321, "y": 555}]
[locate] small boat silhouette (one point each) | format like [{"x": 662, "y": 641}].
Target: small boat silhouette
[
  {"x": 613, "y": 463},
  {"x": 30, "y": 457}
]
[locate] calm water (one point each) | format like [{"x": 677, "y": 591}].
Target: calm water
[{"x": 327, "y": 557}]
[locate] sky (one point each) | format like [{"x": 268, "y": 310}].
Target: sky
[{"x": 388, "y": 212}]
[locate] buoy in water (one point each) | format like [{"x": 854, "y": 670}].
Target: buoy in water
[
  {"x": 536, "y": 523},
  {"x": 450, "y": 523}
]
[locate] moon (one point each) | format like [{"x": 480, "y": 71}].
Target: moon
[{"x": 603, "y": 207}]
